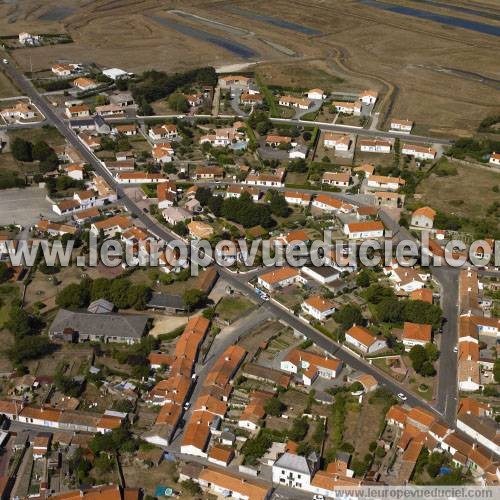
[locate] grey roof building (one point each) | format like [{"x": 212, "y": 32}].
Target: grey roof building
[
  {"x": 167, "y": 302},
  {"x": 101, "y": 306},
  {"x": 105, "y": 327}
]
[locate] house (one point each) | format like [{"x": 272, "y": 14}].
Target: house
[
  {"x": 296, "y": 198},
  {"x": 367, "y": 168},
  {"x": 41, "y": 445},
  {"x": 416, "y": 334},
  {"x": 328, "y": 203},
  {"x": 116, "y": 73},
  {"x": 86, "y": 326},
  {"x": 423, "y": 218},
  {"x": 375, "y": 146},
  {"x": 166, "y": 131},
  {"x": 368, "y": 96},
  {"x": 78, "y": 111},
  {"x": 127, "y": 129},
  {"x": 167, "y": 194},
  {"x": 278, "y": 140},
  {"x": 266, "y": 374},
  {"x": 364, "y": 230},
  {"x": 299, "y": 151},
  {"x": 316, "y": 94},
  {"x": 75, "y": 171},
  {"x": 338, "y": 179},
  {"x": 280, "y": 278},
  {"x": 266, "y": 179},
  {"x": 364, "y": 340},
  {"x": 220, "y": 456},
  {"x": 111, "y": 225},
  {"x": 209, "y": 173},
  {"x": 225, "y": 136},
  {"x": 173, "y": 215},
  {"x": 91, "y": 141},
  {"x": 325, "y": 275},
  {"x": 20, "y": 111},
  {"x": 347, "y": 108},
  {"x": 385, "y": 182},
  {"x": 253, "y": 414},
  {"x": 401, "y": 125},
  {"x": 110, "y": 110},
  {"x": 406, "y": 279},
  {"x": 63, "y": 69},
  {"x": 423, "y": 294},
  {"x": 294, "y": 471},
  {"x": 229, "y": 81},
  {"x": 474, "y": 418},
  {"x": 419, "y": 152},
  {"x": 339, "y": 142},
  {"x": 295, "y": 102},
  {"x": 83, "y": 216},
  {"x": 84, "y": 83},
  {"x": 163, "y": 152},
  {"x": 55, "y": 229},
  {"x": 94, "y": 123},
  {"x": 318, "y": 307},
  {"x": 312, "y": 365},
  {"x": 224, "y": 483},
  {"x": 200, "y": 230},
  {"x": 197, "y": 434},
  {"x": 140, "y": 178},
  {"x": 123, "y": 99},
  {"x": 494, "y": 159},
  {"x": 29, "y": 39},
  {"x": 251, "y": 99},
  {"x": 234, "y": 191}
]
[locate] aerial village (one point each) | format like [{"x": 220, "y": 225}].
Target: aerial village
[{"x": 244, "y": 381}]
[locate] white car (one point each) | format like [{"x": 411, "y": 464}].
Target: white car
[
  {"x": 187, "y": 404},
  {"x": 402, "y": 397},
  {"x": 5, "y": 61},
  {"x": 318, "y": 497},
  {"x": 455, "y": 349}
]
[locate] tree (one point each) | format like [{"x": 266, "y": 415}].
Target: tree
[
  {"x": 190, "y": 487},
  {"x": 19, "y": 322},
  {"x": 5, "y": 272},
  {"x": 194, "y": 298},
  {"x": 299, "y": 429},
  {"x": 348, "y": 316},
  {"x": 180, "y": 228},
  {"x": 119, "y": 293},
  {"x": 21, "y": 149},
  {"x": 363, "y": 278},
  {"x": 138, "y": 296},
  {"x": 496, "y": 370},
  {"x": 178, "y": 102},
  {"x": 32, "y": 347},
  {"x": 278, "y": 204},
  {"x": 73, "y": 296},
  {"x": 274, "y": 407},
  {"x": 418, "y": 357}
]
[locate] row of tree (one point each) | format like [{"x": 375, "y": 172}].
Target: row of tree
[
  {"x": 121, "y": 292},
  {"x": 27, "y": 151}
]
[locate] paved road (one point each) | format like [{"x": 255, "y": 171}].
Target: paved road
[
  {"x": 237, "y": 281},
  {"x": 447, "y": 390}
]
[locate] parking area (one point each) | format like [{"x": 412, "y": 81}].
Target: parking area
[{"x": 24, "y": 206}]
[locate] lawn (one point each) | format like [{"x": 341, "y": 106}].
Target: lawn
[
  {"x": 8, "y": 293},
  {"x": 7, "y": 88},
  {"x": 229, "y": 309},
  {"x": 46, "y": 133}
]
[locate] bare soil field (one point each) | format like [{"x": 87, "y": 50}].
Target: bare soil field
[
  {"x": 468, "y": 194},
  {"x": 442, "y": 77}
]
